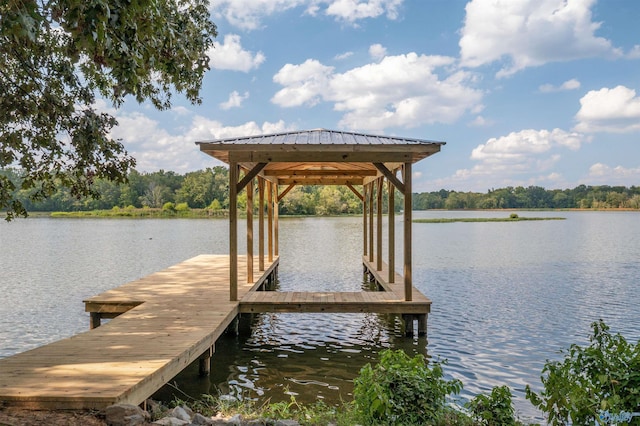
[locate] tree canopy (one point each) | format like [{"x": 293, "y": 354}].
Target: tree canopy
[
  {"x": 58, "y": 56},
  {"x": 209, "y": 189}
]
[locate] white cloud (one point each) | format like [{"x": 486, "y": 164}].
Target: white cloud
[
  {"x": 634, "y": 53},
  {"x": 527, "y": 157},
  {"x": 377, "y": 51},
  {"x": 518, "y": 146},
  {"x": 235, "y": 100},
  {"x": 156, "y": 148},
  {"x": 304, "y": 83},
  {"x": 572, "y": 84},
  {"x": 480, "y": 121},
  {"x": 530, "y": 33},
  {"x": 231, "y": 56},
  {"x": 343, "y": 56},
  {"x": 180, "y": 110},
  {"x": 614, "y": 110},
  {"x": 603, "y": 174},
  {"x": 249, "y": 14},
  {"x": 402, "y": 90},
  {"x": 353, "y": 10}
]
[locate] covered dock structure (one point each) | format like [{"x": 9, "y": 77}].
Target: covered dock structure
[
  {"x": 359, "y": 161},
  {"x": 147, "y": 341}
]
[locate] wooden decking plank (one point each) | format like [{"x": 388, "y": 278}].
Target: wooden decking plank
[{"x": 134, "y": 354}]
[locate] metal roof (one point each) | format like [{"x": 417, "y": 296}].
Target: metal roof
[
  {"x": 319, "y": 137},
  {"x": 319, "y": 156}
]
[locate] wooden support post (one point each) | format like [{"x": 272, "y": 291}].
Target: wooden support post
[
  {"x": 407, "y": 232},
  {"x": 261, "y": 224},
  {"x": 204, "y": 362},
  {"x": 408, "y": 319},
  {"x": 422, "y": 325},
  {"x": 270, "y": 201},
  {"x": 95, "y": 319},
  {"x": 275, "y": 220},
  {"x": 379, "y": 225},
  {"x": 364, "y": 219},
  {"x": 392, "y": 233},
  {"x": 233, "y": 232},
  {"x": 371, "y": 222},
  {"x": 250, "y": 231}
]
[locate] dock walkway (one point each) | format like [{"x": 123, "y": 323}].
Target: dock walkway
[
  {"x": 161, "y": 324},
  {"x": 174, "y": 316}
]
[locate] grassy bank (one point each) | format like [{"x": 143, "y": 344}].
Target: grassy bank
[
  {"x": 131, "y": 212},
  {"x": 512, "y": 218}
]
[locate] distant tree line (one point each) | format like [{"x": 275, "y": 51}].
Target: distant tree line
[
  {"x": 533, "y": 197},
  {"x": 208, "y": 189}
]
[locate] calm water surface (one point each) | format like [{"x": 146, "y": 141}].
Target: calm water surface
[{"x": 506, "y": 296}]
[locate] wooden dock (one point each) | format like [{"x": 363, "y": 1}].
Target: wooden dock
[
  {"x": 164, "y": 322},
  {"x": 173, "y": 317}
]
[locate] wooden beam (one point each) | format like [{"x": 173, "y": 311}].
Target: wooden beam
[
  {"x": 285, "y": 192},
  {"x": 249, "y": 187},
  {"x": 305, "y": 172},
  {"x": 275, "y": 220},
  {"x": 392, "y": 233},
  {"x": 261, "y": 224},
  {"x": 355, "y": 191},
  {"x": 320, "y": 181},
  {"x": 379, "y": 225},
  {"x": 407, "y": 233},
  {"x": 364, "y": 219},
  {"x": 258, "y": 148},
  {"x": 371, "y": 222},
  {"x": 325, "y": 156},
  {"x": 390, "y": 176},
  {"x": 250, "y": 175},
  {"x": 233, "y": 231},
  {"x": 270, "y": 202}
]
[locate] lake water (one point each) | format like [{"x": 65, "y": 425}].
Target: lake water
[{"x": 506, "y": 296}]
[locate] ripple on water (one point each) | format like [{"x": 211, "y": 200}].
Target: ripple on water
[{"x": 506, "y": 297}]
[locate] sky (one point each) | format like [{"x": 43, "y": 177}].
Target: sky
[{"x": 523, "y": 92}]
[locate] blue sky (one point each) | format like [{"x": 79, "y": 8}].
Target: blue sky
[{"x": 524, "y": 92}]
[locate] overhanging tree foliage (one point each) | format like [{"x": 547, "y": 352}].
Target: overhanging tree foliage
[{"x": 57, "y": 56}]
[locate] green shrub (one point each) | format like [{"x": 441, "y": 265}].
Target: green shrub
[
  {"x": 182, "y": 207},
  {"x": 169, "y": 206},
  {"x": 402, "y": 390},
  {"x": 215, "y": 205},
  {"x": 513, "y": 216},
  {"x": 495, "y": 409},
  {"x": 592, "y": 382}
]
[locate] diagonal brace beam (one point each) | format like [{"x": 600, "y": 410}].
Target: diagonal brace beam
[
  {"x": 355, "y": 191},
  {"x": 390, "y": 176},
  {"x": 287, "y": 189},
  {"x": 250, "y": 175}
]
